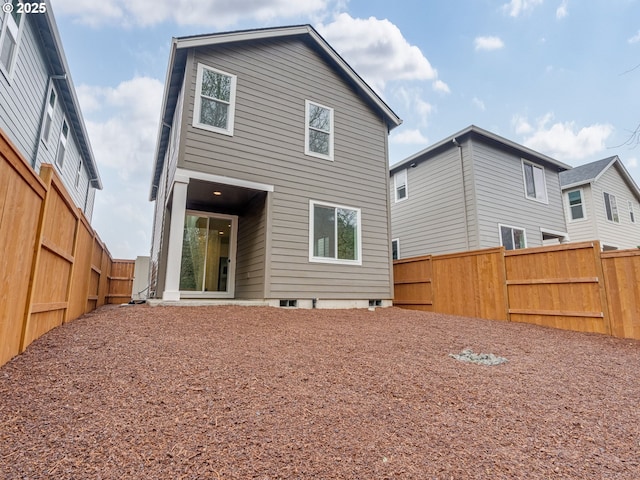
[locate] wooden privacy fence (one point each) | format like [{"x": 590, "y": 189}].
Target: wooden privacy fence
[
  {"x": 572, "y": 286},
  {"x": 53, "y": 266}
]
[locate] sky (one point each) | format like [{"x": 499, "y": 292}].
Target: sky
[{"x": 558, "y": 76}]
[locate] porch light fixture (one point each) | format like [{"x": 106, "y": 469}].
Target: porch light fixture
[{"x": 217, "y": 193}]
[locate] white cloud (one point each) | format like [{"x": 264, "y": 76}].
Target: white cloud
[
  {"x": 212, "y": 13},
  {"x": 517, "y": 7},
  {"x": 521, "y": 125},
  {"x": 563, "y": 10},
  {"x": 632, "y": 162},
  {"x": 440, "y": 86},
  {"x": 565, "y": 141},
  {"x": 377, "y": 50},
  {"x": 412, "y": 101},
  {"x": 479, "y": 104},
  {"x": 635, "y": 38},
  {"x": 409, "y": 137},
  {"x": 125, "y": 140},
  {"x": 488, "y": 43}
]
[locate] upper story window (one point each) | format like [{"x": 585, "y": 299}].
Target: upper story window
[
  {"x": 400, "y": 182},
  {"x": 512, "y": 238},
  {"x": 78, "y": 174},
  {"x": 10, "y": 36},
  {"x": 215, "y": 100},
  {"x": 48, "y": 115},
  {"x": 611, "y": 207},
  {"x": 395, "y": 248},
  {"x": 334, "y": 234},
  {"x": 535, "y": 186},
  {"x": 576, "y": 204},
  {"x": 318, "y": 133},
  {"x": 632, "y": 215},
  {"x": 62, "y": 144}
]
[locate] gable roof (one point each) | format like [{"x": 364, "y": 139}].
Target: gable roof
[
  {"x": 176, "y": 70},
  {"x": 47, "y": 31},
  {"x": 591, "y": 172},
  {"x": 486, "y": 136}
]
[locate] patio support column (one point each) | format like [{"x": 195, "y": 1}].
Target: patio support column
[{"x": 176, "y": 232}]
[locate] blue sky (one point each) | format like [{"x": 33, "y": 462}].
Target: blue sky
[{"x": 559, "y": 76}]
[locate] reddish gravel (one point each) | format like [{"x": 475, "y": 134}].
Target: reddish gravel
[{"x": 245, "y": 392}]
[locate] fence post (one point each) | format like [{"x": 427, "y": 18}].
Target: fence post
[
  {"x": 505, "y": 285},
  {"x": 602, "y": 286},
  {"x": 46, "y": 174},
  {"x": 74, "y": 254}
]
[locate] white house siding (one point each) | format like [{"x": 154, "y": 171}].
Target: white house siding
[
  {"x": 431, "y": 219},
  {"x": 623, "y": 234},
  {"x": 274, "y": 80},
  {"x": 583, "y": 229},
  {"x": 501, "y": 197}
]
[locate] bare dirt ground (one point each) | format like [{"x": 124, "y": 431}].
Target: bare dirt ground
[{"x": 241, "y": 393}]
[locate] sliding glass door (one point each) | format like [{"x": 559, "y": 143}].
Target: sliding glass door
[{"x": 208, "y": 256}]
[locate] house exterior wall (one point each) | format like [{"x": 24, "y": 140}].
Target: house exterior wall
[
  {"x": 431, "y": 220},
  {"x": 23, "y": 96},
  {"x": 501, "y": 198},
  {"x": 274, "y": 78},
  {"x": 252, "y": 249},
  {"x": 623, "y": 234},
  {"x": 585, "y": 229}
]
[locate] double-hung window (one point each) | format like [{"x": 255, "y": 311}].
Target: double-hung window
[
  {"x": 214, "y": 107},
  {"x": 512, "y": 238},
  {"x": 576, "y": 204},
  {"x": 632, "y": 215},
  {"x": 62, "y": 144},
  {"x": 611, "y": 207},
  {"x": 395, "y": 248},
  {"x": 335, "y": 234},
  {"x": 318, "y": 133},
  {"x": 535, "y": 186},
  {"x": 48, "y": 115},
  {"x": 10, "y": 36},
  {"x": 78, "y": 174},
  {"x": 400, "y": 182}
]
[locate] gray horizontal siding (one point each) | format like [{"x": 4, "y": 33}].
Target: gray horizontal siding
[
  {"x": 274, "y": 80},
  {"x": 501, "y": 198}
]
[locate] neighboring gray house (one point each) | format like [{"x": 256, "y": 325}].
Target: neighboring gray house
[
  {"x": 602, "y": 203},
  {"x": 39, "y": 110},
  {"x": 475, "y": 190},
  {"x": 271, "y": 174}
]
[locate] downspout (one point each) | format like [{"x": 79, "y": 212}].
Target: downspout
[
  {"x": 42, "y": 112},
  {"x": 464, "y": 195}
]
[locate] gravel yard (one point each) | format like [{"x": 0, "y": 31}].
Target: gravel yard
[{"x": 138, "y": 392}]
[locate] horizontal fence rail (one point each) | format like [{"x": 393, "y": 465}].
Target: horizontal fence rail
[
  {"x": 572, "y": 286},
  {"x": 54, "y": 267}
]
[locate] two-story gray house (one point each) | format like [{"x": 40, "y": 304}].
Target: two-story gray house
[
  {"x": 602, "y": 202},
  {"x": 271, "y": 174},
  {"x": 475, "y": 190},
  {"x": 39, "y": 110}
]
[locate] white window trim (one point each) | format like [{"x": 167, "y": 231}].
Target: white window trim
[
  {"x": 524, "y": 232},
  {"x": 632, "y": 212},
  {"x": 62, "y": 139},
  {"x": 49, "y": 113},
  {"x": 615, "y": 201},
  {"x": 312, "y": 258},
  {"x": 78, "y": 174},
  {"x": 307, "y": 104},
  {"x": 406, "y": 185},
  {"x": 197, "y": 103},
  {"x": 544, "y": 200},
  {"x": 8, "y": 21},
  {"x": 584, "y": 207},
  {"x": 397, "y": 240},
  {"x": 563, "y": 236}
]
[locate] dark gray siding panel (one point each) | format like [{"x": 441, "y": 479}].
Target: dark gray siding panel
[{"x": 274, "y": 80}]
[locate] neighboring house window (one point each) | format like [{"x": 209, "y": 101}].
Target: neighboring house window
[
  {"x": 215, "y": 100},
  {"x": 535, "y": 186},
  {"x": 576, "y": 204},
  {"x": 400, "y": 180},
  {"x": 10, "y": 36},
  {"x": 611, "y": 207},
  {"x": 62, "y": 144},
  {"x": 318, "y": 134},
  {"x": 395, "y": 249},
  {"x": 334, "y": 234},
  {"x": 78, "y": 174},
  {"x": 48, "y": 114},
  {"x": 632, "y": 215},
  {"x": 512, "y": 238}
]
